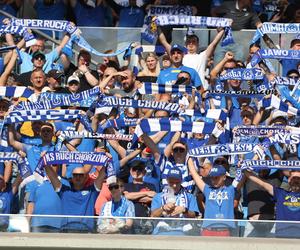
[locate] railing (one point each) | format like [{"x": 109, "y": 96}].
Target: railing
[{"x": 148, "y": 226}]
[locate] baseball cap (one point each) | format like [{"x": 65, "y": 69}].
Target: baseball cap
[
  {"x": 138, "y": 162},
  {"x": 217, "y": 170},
  {"x": 175, "y": 173},
  {"x": 56, "y": 74},
  {"x": 73, "y": 78},
  {"x": 178, "y": 47},
  {"x": 37, "y": 54}
]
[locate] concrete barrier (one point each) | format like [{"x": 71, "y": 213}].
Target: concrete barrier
[{"x": 132, "y": 242}]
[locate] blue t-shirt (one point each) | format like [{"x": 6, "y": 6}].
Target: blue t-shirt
[
  {"x": 169, "y": 76},
  {"x": 46, "y": 201},
  {"x": 89, "y": 16},
  {"x": 219, "y": 204},
  {"x": 78, "y": 202},
  {"x": 288, "y": 64},
  {"x": 27, "y": 65},
  {"x": 131, "y": 17},
  {"x": 287, "y": 209}
]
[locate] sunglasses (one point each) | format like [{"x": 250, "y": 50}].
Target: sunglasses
[
  {"x": 226, "y": 68},
  {"x": 178, "y": 150},
  {"x": 39, "y": 58},
  {"x": 138, "y": 169},
  {"x": 73, "y": 83},
  {"x": 220, "y": 162},
  {"x": 78, "y": 175},
  {"x": 114, "y": 187},
  {"x": 45, "y": 130}
]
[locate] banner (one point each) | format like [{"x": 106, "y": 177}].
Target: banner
[
  {"x": 270, "y": 164},
  {"x": 243, "y": 74}
]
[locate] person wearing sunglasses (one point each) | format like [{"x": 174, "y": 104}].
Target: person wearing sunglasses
[{"x": 119, "y": 206}]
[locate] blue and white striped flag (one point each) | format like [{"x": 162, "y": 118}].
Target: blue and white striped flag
[
  {"x": 16, "y": 92},
  {"x": 149, "y": 88}
]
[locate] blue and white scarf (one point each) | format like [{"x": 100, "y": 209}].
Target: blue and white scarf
[
  {"x": 165, "y": 124},
  {"x": 222, "y": 149},
  {"x": 69, "y": 134},
  {"x": 181, "y": 199},
  {"x": 67, "y": 157},
  {"x": 215, "y": 114},
  {"x": 260, "y": 131},
  {"x": 239, "y": 93},
  {"x": 270, "y": 164},
  {"x": 275, "y": 102},
  {"x": 41, "y": 115},
  {"x": 23, "y": 165},
  {"x": 274, "y": 54},
  {"x": 243, "y": 74},
  {"x": 21, "y": 31},
  {"x": 286, "y": 81},
  {"x": 16, "y": 92},
  {"x": 118, "y": 123},
  {"x": 149, "y": 88},
  {"x": 275, "y": 28}
]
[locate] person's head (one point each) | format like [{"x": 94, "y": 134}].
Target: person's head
[
  {"x": 179, "y": 151},
  {"x": 108, "y": 72},
  {"x": 174, "y": 179},
  {"x": 205, "y": 168},
  {"x": 192, "y": 43},
  {"x": 217, "y": 175},
  {"x": 278, "y": 118},
  {"x": 151, "y": 61},
  {"x": 247, "y": 115},
  {"x": 73, "y": 83},
  {"x": 128, "y": 80},
  {"x": 161, "y": 113},
  {"x": 293, "y": 73},
  {"x": 79, "y": 177},
  {"x": 253, "y": 49},
  {"x": 39, "y": 45},
  {"x": 36, "y": 127},
  {"x": 177, "y": 53},
  {"x": 137, "y": 169},
  {"x": 84, "y": 58},
  {"x": 4, "y": 106},
  {"x": 223, "y": 161},
  {"x": 183, "y": 78},
  {"x": 294, "y": 181},
  {"x": 116, "y": 189},
  {"x": 38, "y": 79},
  {"x": 101, "y": 146},
  {"x": 295, "y": 44},
  {"x": 109, "y": 59},
  {"x": 166, "y": 61},
  {"x": 54, "y": 78},
  {"x": 47, "y": 132},
  {"x": 38, "y": 59}
]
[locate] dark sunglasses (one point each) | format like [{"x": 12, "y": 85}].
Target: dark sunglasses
[
  {"x": 113, "y": 187},
  {"x": 178, "y": 150},
  {"x": 39, "y": 58},
  {"x": 138, "y": 169},
  {"x": 73, "y": 83},
  {"x": 226, "y": 68},
  {"x": 220, "y": 162},
  {"x": 78, "y": 175}
]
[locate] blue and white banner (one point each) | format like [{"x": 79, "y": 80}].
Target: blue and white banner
[
  {"x": 16, "y": 92},
  {"x": 285, "y": 138},
  {"x": 216, "y": 114},
  {"x": 274, "y": 54},
  {"x": 222, "y": 149},
  {"x": 287, "y": 81},
  {"x": 270, "y": 164},
  {"x": 85, "y": 134},
  {"x": 276, "y": 28},
  {"x": 157, "y": 10},
  {"x": 239, "y": 93},
  {"x": 41, "y": 115},
  {"x": 275, "y": 102},
  {"x": 21, "y": 31},
  {"x": 118, "y": 123},
  {"x": 260, "y": 131},
  {"x": 149, "y": 88},
  {"x": 126, "y": 3},
  {"x": 243, "y": 74}
]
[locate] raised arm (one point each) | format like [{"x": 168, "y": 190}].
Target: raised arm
[
  {"x": 197, "y": 178},
  {"x": 267, "y": 186},
  {"x": 212, "y": 46},
  {"x": 163, "y": 40},
  {"x": 8, "y": 69},
  {"x": 12, "y": 141},
  {"x": 152, "y": 145},
  {"x": 52, "y": 175}
]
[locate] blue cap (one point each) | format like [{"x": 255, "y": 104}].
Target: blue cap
[
  {"x": 178, "y": 47},
  {"x": 217, "y": 170},
  {"x": 175, "y": 173}
]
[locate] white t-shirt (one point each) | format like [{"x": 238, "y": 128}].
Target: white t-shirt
[{"x": 198, "y": 63}]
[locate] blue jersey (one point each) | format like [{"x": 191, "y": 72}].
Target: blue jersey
[
  {"x": 89, "y": 16},
  {"x": 6, "y": 198},
  {"x": 219, "y": 204},
  {"x": 169, "y": 76}
]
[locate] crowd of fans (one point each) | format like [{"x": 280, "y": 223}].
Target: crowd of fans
[{"x": 158, "y": 178}]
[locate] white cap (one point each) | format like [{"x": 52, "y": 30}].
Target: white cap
[
  {"x": 73, "y": 78},
  {"x": 278, "y": 113}
]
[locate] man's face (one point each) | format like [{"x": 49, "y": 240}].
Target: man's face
[
  {"x": 39, "y": 45},
  {"x": 217, "y": 181},
  {"x": 38, "y": 79},
  {"x": 179, "y": 152},
  {"x": 79, "y": 176},
  {"x": 247, "y": 119},
  {"x": 38, "y": 61},
  {"x": 137, "y": 172},
  {"x": 127, "y": 81},
  {"x": 295, "y": 184},
  {"x": 151, "y": 63},
  {"x": 175, "y": 184},
  {"x": 54, "y": 83},
  {"x": 192, "y": 45},
  {"x": 115, "y": 190},
  {"x": 82, "y": 61},
  {"x": 4, "y": 105},
  {"x": 176, "y": 56},
  {"x": 47, "y": 133}
]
